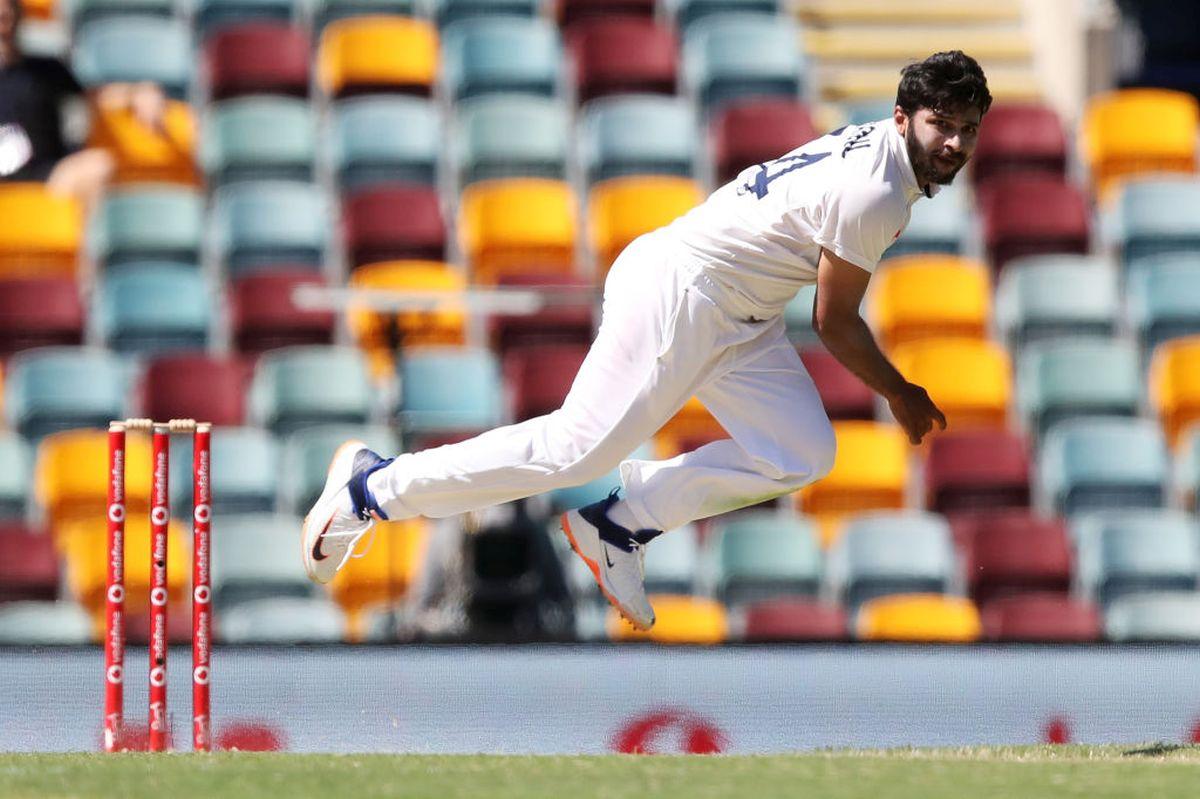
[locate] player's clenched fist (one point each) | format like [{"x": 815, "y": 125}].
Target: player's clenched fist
[{"x": 915, "y": 412}]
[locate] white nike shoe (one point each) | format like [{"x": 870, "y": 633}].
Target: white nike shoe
[
  {"x": 616, "y": 557},
  {"x": 341, "y": 516}
]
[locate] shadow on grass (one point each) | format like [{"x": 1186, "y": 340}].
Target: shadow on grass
[{"x": 1159, "y": 749}]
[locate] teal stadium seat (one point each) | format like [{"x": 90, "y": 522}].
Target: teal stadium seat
[
  {"x": 937, "y": 225},
  {"x": 685, "y": 12},
  {"x": 384, "y": 140},
  {"x": 297, "y": 387},
  {"x": 893, "y": 552},
  {"x": 638, "y": 135},
  {"x": 244, "y": 472},
  {"x": 327, "y": 11},
  {"x": 16, "y": 466},
  {"x": 40, "y": 622},
  {"x": 446, "y": 12},
  {"x": 1064, "y": 378},
  {"x": 728, "y": 57},
  {"x": 763, "y": 555},
  {"x": 501, "y": 54},
  {"x": 306, "y": 456},
  {"x": 255, "y": 556},
  {"x": 797, "y": 317},
  {"x": 1049, "y": 296},
  {"x": 860, "y": 112},
  {"x": 289, "y": 620},
  {"x": 148, "y": 223},
  {"x": 1136, "y": 551},
  {"x": 1171, "y": 616},
  {"x": 1102, "y": 464},
  {"x": 449, "y": 390},
  {"x": 1164, "y": 297},
  {"x": 273, "y": 224},
  {"x": 577, "y": 496},
  {"x": 1187, "y": 468},
  {"x": 505, "y": 136},
  {"x": 134, "y": 49},
  {"x": 672, "y": 562},
  {"x": 80, "y": 12},
  {"x": 258, "y": 138},
  {"x": 58, "y": 388},
  {"x": 213, "y": 14},
  {"x": 153, "y": 308},
  {"x": 1156, "y": 216}
]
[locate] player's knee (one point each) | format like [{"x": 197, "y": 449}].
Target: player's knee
[
  {"x": 808, "y": 461},
  {"x": 824, "y": 450}
]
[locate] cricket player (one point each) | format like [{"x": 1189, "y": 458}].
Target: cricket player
[{"x": 696, "y": 308}]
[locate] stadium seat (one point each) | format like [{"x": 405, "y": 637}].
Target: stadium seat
[
  {"x": 1041, "y": 618},
  {"x": 81, "y": 12},
  {"x": 257, "y": 58},
  {"x": 1050, "y": 296},
  {"x": 159, "y": 223},
  {"x": 844, "y": 395},
  {"x": 621, "y": 209},
  {"x": 540, "y": 375},
  {"x": 83, "y": 543},
  {"x": 305, "y": 457},
  {"x": 447, "y": 390},
  {"x": 1154, "y": 216},
  {"x": 39, "y": 312},
  {"x": 134, "y": 49},
  {"x": 56, "y": 388},
  {"x": 213, "y": 16},
  {"x": 692, "y": 426},
  {"x": 196, "y": 386},
  {"x": 326, "y": 11},
  {"x": 41, "y": 232},
  {"x": 382, "y": 334},
  {"x": 870, "y": 472},
  {"x": 977, "y": 470},
  {"x": 891, "y": 552},
  {"x": 388, "y": 223},
  {"x": 287, "y": 620},
  {"x": 938, "y": 225},
  {"x": 866, "y": 111},
  {"x": 28, "y": 564},
  {"x": 70, "y": 476},
  {"x": 637, "y": 135},
  {"x": 44, "y": 623},
  {"x": 376, "y": 140},
  {"x": 798, "y": 318},
  {"x": 447, "y": 12},
  {"x": 1169, "y": 616},
  {"x": 1019, "y": 137},
  {"x": 263, "y": 316},
  {"x": 622, "y": 55},
  {"x": 672, "y": 563},
  {"x": 510, "y": 136},
  {"x": 1032, "y": 215},
  {"x": 1015, "y": 552},
  {"x": 1116, "y": 142},
  {"x": 1102, "y": 464},
  {"x": 145, "y": 155},
  {"x": 762, "y": 555},
  {"x": 517, "y": 225},
  {"x": 1187, "y": 469},
  {"x": 1124, "y": 552},
  {"x": 259, "y": 226},
  {"x": 153, "y": 308},
  {"x": 500, "y": 54},
  {"x": 1070, "y": 377},
  {"x": 258, "y": 138},
  {"x": 929, "y": 296},
  {"x": 728, "y": 57},
  {"x": 569, "y": 320},
  {"x": 970, "y": 380},
  {"x": 756, "y": 131},
  {"x": 302, "y": 386},
  {"x": 572, "y": 497},
  {"x": 1175, "y": 385},
  {"x": 386, "y": 573},
  {"x": 254, "y": 557},
  {"x": 680, "y": 620},
  {"x": 918, "y": 618},
  {"x": 1164, "y": 297},
  {"x": 685, "y": 12},
  {"x": 16, "y": 469},
  {"x": 571, "y": 12},
  {"x": 798, "y": 620},
  {"x": 244, "y": 475},
  {"x": 377, "y": 54}
]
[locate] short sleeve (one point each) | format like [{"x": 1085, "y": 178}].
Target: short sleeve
[{"x": 859, "y": 223}]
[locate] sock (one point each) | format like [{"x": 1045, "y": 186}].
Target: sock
[{"x": 621, "y": 514}]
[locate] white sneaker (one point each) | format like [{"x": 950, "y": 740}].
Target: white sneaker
[
  {"x": 336, "y": 524},
  {"x": 616, "y": 557}
]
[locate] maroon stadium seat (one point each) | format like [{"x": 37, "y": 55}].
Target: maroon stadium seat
[
  {"x": 843, "y": 394},
  {"x": 395, "y": 222},
  {"x": 265, "y": 318},
  {"x": 1015, "y": 551},
  {"x": 257, "y": 58},
  {"x": 1040, "y": 618},
  {"x": 795, "y": 620},
  {"x": 1020, "y": 138},
  {"x": 28, "y": 563},
  {"x": 39, "y": 312},
  {"x": 567, "y": 322},
  {"x": 1032, "y": 215},
  {"x": 197, "y": 387},
  {"x": 539, "y": 376},
  {"x": 757, "y": 131},
  {"x": 977, "y": 469},
  {"x": 623, "y": 54},
  {"x": 569, "y": 12}
]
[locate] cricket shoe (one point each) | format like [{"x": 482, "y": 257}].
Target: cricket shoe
[
  {"x": 344, "y": 512},
  {"x": 616, "y": 556}
]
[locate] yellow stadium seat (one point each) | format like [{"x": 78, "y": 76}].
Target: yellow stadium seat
[
  {"x": 39, "y": 9},
  {"x": 929, "y": 296},
  {"x": 870, "y": 471},
  {"x": 84, "y": 547},
  {"x": 517, "y": 225},
  {"x": 680, "y": 620},
  {"x": 148, "y": 156},
  {"x": 918, "y": 618},
  {"x": 71, "y": 475},
  {"x": 1175, "y": 384},
  {"x": 1137, "y": 131},
  {"x": 621, "y": 209},
  {"x": 970, "y": 380},
  {"x": 385, "y": 574},
  {"x": 378, "y": 53},
  {"x": 40, "y": 232},
  {"x": 691, "y": 425}
]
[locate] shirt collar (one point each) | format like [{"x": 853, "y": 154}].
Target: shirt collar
[{"x": 912, "y": 189}]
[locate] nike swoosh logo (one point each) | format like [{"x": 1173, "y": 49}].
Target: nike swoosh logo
[
  {"x": 316, "y": 550},
  {"x": 607, "y": 559}
]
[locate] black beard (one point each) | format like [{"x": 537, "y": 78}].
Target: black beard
[{"x": 922, "y": 162}]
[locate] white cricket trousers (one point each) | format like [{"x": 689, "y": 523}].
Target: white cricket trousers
[{"x": 662, "y": 339}]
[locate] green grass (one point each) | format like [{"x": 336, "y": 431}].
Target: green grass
[{"x": 978, "y": 772}]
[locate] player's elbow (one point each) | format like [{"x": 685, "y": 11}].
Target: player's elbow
[{"x": 830, "y": 323}]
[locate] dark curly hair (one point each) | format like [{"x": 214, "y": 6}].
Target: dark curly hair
[{"x": 950, "y": 81}]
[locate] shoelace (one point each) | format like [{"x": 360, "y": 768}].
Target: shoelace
[{"x": 356, "y": 554}]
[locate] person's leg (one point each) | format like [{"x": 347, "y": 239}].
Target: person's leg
[{"x": 84, "y": 175}]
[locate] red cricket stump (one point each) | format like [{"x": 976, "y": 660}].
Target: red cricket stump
[
  {"x": 114, "y": 610},
  {"x": 201, "y": 589},
  {"x": 160, "y": 517}
]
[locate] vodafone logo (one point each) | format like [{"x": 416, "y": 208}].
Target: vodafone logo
[
  {"x": 116, "y": 513},
  {"x": 158, "y": 597},
  {"x": 670, "y": 730},
  {"x": 202, "y": 594},
  {"x": 200, "y": 675},
  {"x": 202, "y": 514},
  {"x": 158, "y": 676},
  {"x": 116, "y": 674},
  {"x": 116, "y": 593},
  {"x": 159, "y": 515}
]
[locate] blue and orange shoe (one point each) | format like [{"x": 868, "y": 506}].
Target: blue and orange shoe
[{"x": 344, "y": 512}]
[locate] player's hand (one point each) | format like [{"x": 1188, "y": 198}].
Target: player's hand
[{"x": 916, "y": 412}]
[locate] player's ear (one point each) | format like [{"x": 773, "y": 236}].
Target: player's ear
[{"x": 901, "y": 118}]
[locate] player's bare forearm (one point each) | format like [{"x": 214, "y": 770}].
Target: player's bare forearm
[{"x": 850, "y": 341}]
